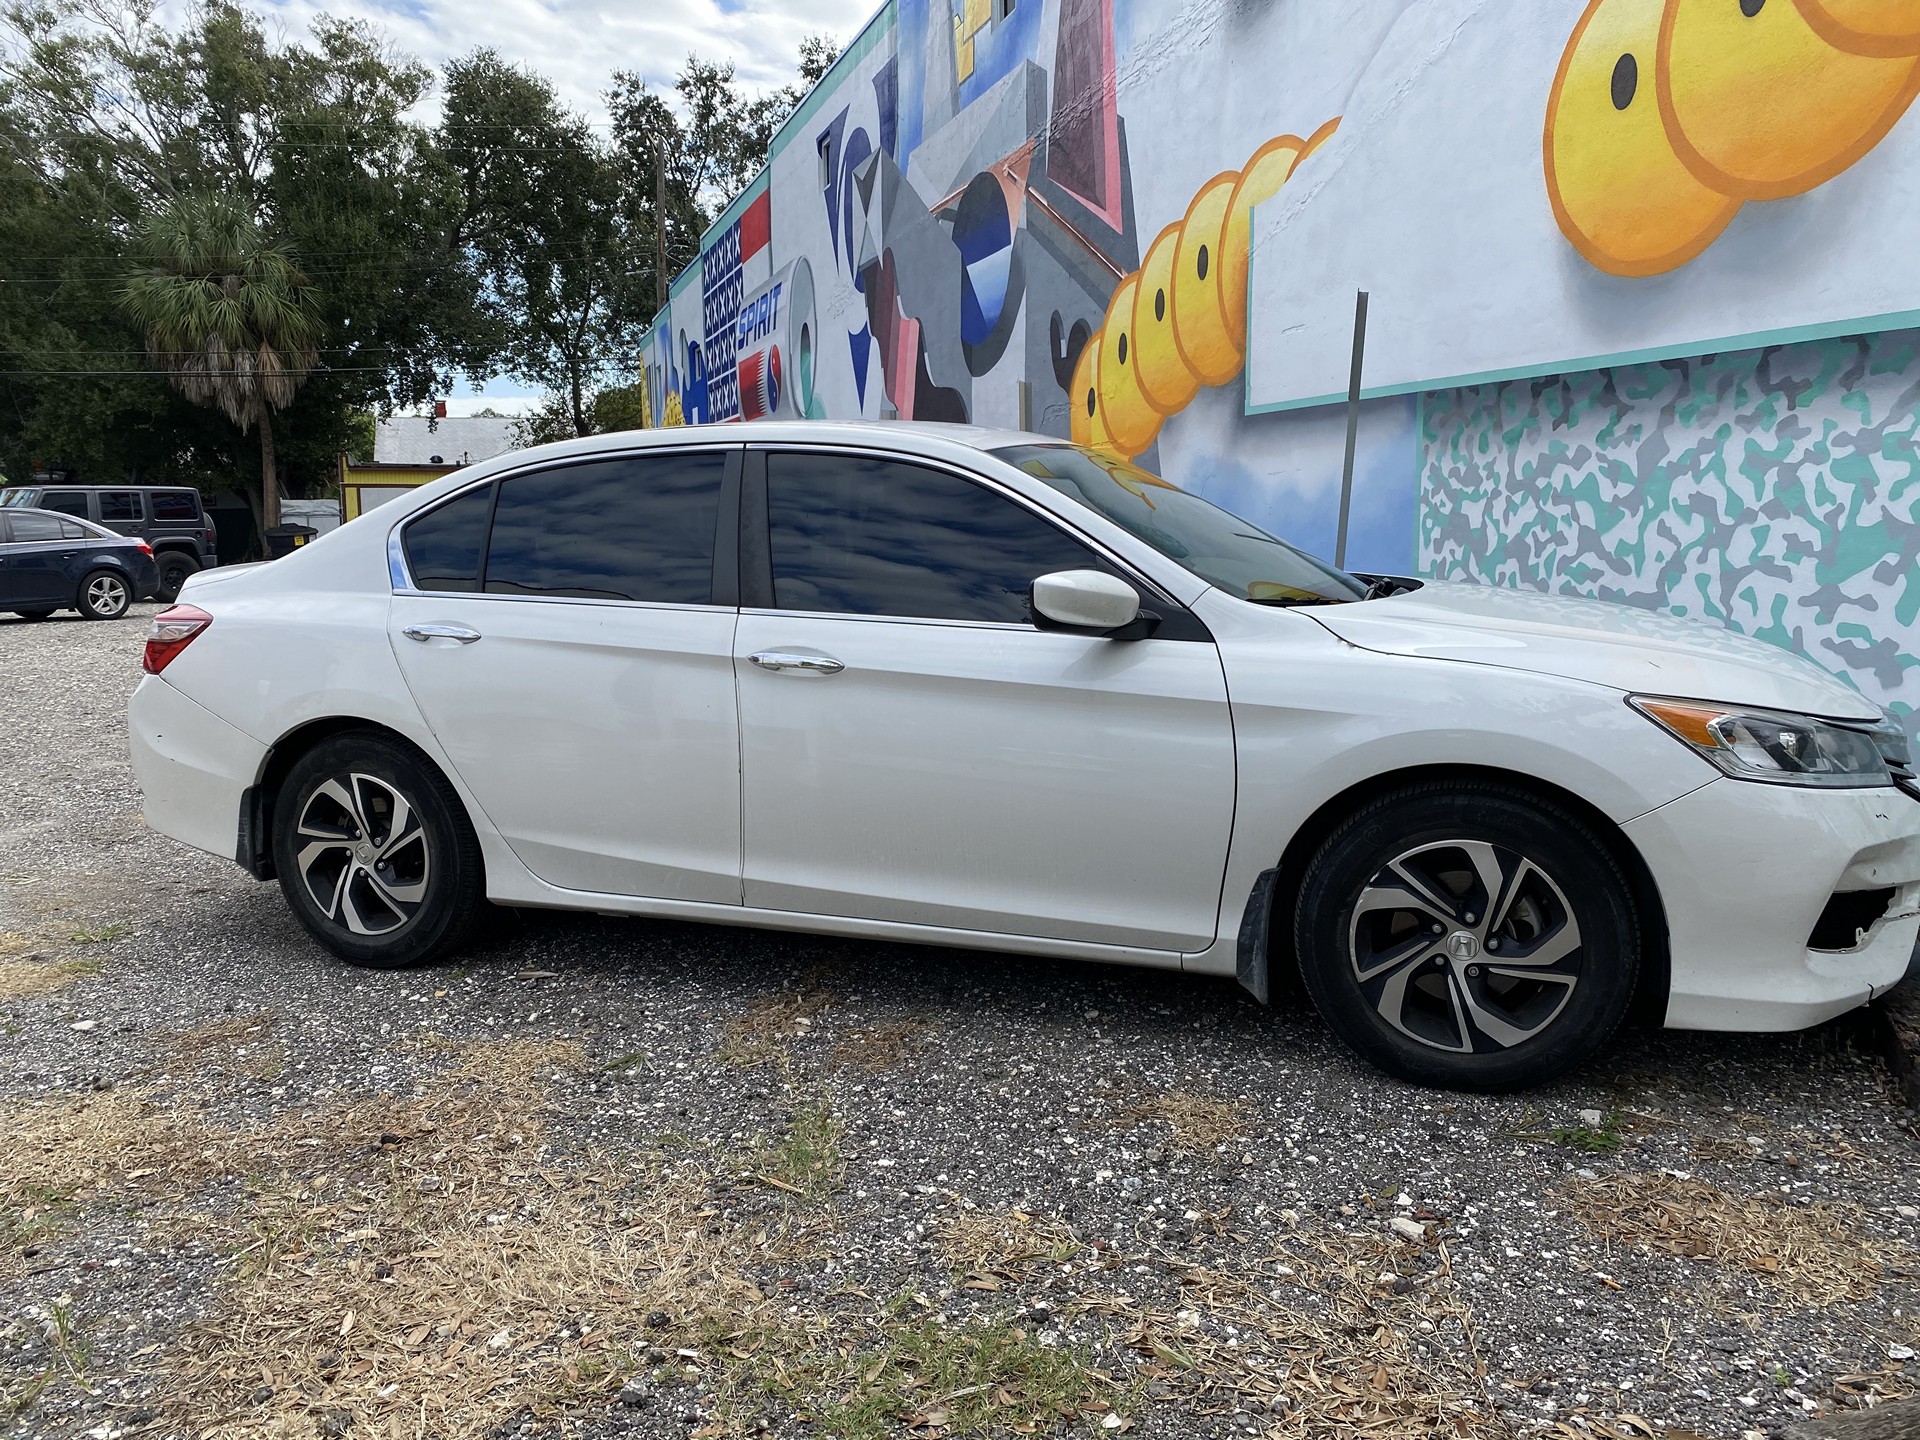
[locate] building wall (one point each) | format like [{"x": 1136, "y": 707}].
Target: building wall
[{"x": 1640, "y": 272}]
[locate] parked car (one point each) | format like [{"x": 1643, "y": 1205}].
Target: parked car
[
  {"x": 52, "y": 562},
  {"x": 170, "y": 518},
  {"x": 989, "y": 690}
]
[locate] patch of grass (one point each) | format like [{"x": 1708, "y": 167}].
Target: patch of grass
[
  {"x": 880, "y": 1047},
  {"x": 771, "y": 1023},
  {"x": 1606, "y": 1138},
  {"x": 805, "y": 1162},
  {"x": 986, "y": 1247},
  {"x": 1198, "y": 1124},
  {"x": 26, "y": 979},
  {"x": 1820, "y": 1254},
  {"x": 99, "y": 934}
]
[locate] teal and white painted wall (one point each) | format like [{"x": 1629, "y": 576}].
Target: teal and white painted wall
[{"x": 1643, "y": 279}]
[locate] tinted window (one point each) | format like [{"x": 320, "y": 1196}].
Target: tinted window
[
  {"x": 67, "y": 502},
  {"x": 1219, "y": 547},
  {"x": 637, "y": 528},
  {"x": 175, "y": 505},
  {"x": 119, "y": 505},
  {"x": 28, "y": 527},
  {"x": 444, "y": 545},
  {"x": 874, "y": 537}
]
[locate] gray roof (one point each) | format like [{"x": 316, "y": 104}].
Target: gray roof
[{"x": 457, "y": 440}]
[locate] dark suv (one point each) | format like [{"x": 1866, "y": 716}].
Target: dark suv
[{"x": 170, "y": 518}]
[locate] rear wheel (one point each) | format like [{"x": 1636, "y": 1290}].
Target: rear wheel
[
  {"x": 1468, "y": 935},
  {"x": 104, "y": 595},
  {"x": 375, "y": 853},
  {"x": 172, "y": 570}
]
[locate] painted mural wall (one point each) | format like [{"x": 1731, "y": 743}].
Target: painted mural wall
[{"x": 1642, "y": 276}]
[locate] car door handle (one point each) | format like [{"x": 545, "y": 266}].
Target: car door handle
[
  {"x": 424, "y": 633},
  {"x": 788, "y": 660}
]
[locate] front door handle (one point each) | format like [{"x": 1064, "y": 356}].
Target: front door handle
[
  {"x": 424, "y": 633},
  {"x": 789, "y": 660}
]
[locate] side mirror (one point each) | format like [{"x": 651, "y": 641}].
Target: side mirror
[{"x": 1084, "y": 600}]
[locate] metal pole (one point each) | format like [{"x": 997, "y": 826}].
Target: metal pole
[
  {"x": 1353, "y": 423},
  {"x": 659, "y": 226}
]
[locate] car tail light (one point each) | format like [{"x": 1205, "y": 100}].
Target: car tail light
[
  {"x": 146, "y": 549},
  {"x": 171, "y": 632}
]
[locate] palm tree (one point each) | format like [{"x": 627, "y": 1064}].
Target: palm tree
[{"x": 227, "y": 315}]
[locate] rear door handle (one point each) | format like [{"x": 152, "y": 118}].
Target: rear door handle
[
  {"x": 790, "y": 660},
  {"x": 424, "y": 633}
]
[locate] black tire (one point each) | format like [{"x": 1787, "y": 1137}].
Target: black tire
[
  {"x": 1400, "y": 984},
  {"x": 172, "y": 569},
  {"x": 104, "y": 595},
  {"x": 418, "y": 900},
  {"x": 33, "y": 614}
]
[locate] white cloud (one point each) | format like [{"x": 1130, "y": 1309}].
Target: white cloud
[{"x": 578, "y": 44}]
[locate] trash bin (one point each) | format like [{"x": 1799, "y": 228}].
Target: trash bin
[{"x": 284, "y": 539}]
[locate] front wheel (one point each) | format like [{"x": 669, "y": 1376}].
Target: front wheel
[
  {"x": 1468, "y": 935},
  {"x": 375, "y": 853},
  {"x": 104, "y": 595}
]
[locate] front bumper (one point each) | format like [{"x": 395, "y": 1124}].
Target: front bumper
[
  {"x": 1746, "y": 869},
  {"x": 193, "y": 767}
]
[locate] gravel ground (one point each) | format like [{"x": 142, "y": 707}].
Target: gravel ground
[{"x": 659, "y": 1179}]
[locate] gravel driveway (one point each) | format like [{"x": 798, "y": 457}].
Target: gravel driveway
[{"x": 623, "y": 1177}]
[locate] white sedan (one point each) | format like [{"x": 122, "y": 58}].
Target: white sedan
[{"x": 986, "y": 689}]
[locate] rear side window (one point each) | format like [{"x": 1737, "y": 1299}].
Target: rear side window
[
  {"x": 119, "y": 506},
  {"x": 74, "y": 530},
  {"x": 67, "y": 502},
  {"x": 861, "y": 536},
  {"x": 28, "y": 527},
  {"x": 445, "y": 546},
  {"x": 637, "y": 528},
  {"x": 175, "y": 505}
]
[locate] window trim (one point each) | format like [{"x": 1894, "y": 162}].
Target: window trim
[
  {"x": 725, "y": 555},
  {"x": 756, "y": 547}
]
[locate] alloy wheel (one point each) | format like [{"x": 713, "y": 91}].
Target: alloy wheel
[
  {"x": 1465, "y": 946},
  {"x": 107, "y": 595},
  {"x": 363, "y": 854}
]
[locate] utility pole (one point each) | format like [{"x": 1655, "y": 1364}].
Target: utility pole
[
  {"x": 1353, "y": 423},
  {"x": 659, "y": 225}
]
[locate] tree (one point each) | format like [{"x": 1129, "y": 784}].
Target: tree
[
  {"x": 549, "y": 230},
  {"x": 227, "y": 316}
]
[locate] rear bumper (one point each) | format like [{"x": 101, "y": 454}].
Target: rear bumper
[
  {"x": 1745, "y": 870},
  {"x": 193, "y": 767}
]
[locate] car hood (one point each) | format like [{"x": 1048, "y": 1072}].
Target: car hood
[{"x": 1619, "y": 646}]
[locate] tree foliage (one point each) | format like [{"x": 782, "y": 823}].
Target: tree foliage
[{"x": 509, "y": 237}]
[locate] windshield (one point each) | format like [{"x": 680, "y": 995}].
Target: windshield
[{"x": 1220, "y": 548}]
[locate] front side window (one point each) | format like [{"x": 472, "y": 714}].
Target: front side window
[
  {"x": 29, "y": 527},
  {"x": 858, "y": 536},
  {"x": 118, "y": 506},
  {"x": 640, "y": 527},
  {"x": 446, "y": 545},
  {"x": 1219, "y": 547},
  {"x": 176, "y": 505},
  {"x": 67, "y": 502}
]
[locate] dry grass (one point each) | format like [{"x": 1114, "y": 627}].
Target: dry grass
[
  {"x": 1198, "y": 1124},
  {"x": 28, "y": 979},
  {"x": 772, "y": 1023},
  {"x": 1817, "y": 1253},
  {"x": 233, "y": 1033},
  {"x": 988, "y": 1247},
  {"x": 880, "y": 1047}
]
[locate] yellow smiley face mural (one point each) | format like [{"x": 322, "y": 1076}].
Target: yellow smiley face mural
[
  {"x": 1620, "y": 193},
  {"x": 1867, "y": 27},
  {"x": 1085, "y": 424},
  {"x": 1129, "y": 419},
  {"x": 1666, "y": 115},
  {"x": 1163, "y": 375},
  {"x": 1759, "y": 106},
  {"x": 1199, "y": 322}
]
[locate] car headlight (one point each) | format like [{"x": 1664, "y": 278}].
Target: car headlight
[{"x": 1780, "y": 747}]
